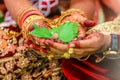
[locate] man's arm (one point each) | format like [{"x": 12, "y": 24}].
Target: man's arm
[{"x": 87, "y": 6}]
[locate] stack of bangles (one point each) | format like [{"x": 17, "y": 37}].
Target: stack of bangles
[{"x": 25, "y": 19}]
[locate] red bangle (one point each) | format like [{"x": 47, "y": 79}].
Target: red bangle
[{"x": 28, "y": 13}]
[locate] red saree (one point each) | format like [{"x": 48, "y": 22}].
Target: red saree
[{"x": 86, "y": 70}]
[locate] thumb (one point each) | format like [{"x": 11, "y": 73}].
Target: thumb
[
  {"x": 89, "y": 23},
  {"x": 84, "y": 43}
]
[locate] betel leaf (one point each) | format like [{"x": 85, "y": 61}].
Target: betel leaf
[
  {"x": 75, "y": 28},
  {"x": 41, "y": 32},
  {"x": 66, "y": 31},
  {"x": 69, "y": 31},
  {"x": 66, "y": 34},
  {"x": 35, "y": 26},
  {"x": 54, "y": 30}
]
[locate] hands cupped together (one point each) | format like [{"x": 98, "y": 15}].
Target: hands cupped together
[
  {"x": 84, "y": 44},
  {"x": 90, "y": 44}
]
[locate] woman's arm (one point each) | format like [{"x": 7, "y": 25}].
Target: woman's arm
[{"x": 15, "y": 7}]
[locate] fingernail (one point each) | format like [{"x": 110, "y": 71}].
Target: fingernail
[
  {"x": 49, "y": 42},
  {"x": 76, "y": 43},
  {"x": 80, "y": 38},
  {"x": 89, "y": 23},
  {"x": 71, "y": 45}
]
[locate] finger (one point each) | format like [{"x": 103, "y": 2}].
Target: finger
[
  {"x": 86, "y": 43},
  {"x": 82, "y": 52},
  {"x": 89, "y": 23},
  {"x": 57, "y": 45},
  {"x": 56, "y": 51},
  {"x": 81, "y": 31},
  {"x": 39, "y": 41}
]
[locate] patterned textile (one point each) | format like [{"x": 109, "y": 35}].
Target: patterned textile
[{"x": 20, "y": 62}]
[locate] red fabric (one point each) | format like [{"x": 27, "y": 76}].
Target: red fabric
[
  {"x": 84, "y": 70},
  {"x": 28, "y": 13}
]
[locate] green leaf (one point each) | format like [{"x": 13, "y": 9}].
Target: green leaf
[
  {"x": 75, "y": 28},
  {"x": 35, "y": 26},
  {"x": 41, "y": 32},
  {"x": 68, "y": 31},
  {"x": 54, "y": 30},
  {"x": 66, "y": 34}
]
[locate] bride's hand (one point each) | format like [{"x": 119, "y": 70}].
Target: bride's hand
[{"x": 59, "y": 47}]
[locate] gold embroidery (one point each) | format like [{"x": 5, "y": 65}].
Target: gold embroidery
[{"x": 107, "y": 27}]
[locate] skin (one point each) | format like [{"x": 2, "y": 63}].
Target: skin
[
  {"x": 112, "y": 4},
  {"x": 87, "y": 6},
  {"x": 92, "y": 43},
  {"x": 15, "y": 7}
]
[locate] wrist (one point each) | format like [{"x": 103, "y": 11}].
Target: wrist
[
  {"x": 111, "y": 48},
  {"x": 107, "y": 42},
  {"x": 114, "y": 47}
]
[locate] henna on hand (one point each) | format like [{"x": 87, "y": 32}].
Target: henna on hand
[{"x": 57, "y": 45}]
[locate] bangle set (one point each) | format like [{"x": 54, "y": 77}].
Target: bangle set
[
  {"x": 29, "y": 16},
  {"x": 27, "y": 23},
  {"x": 26, "y": 17},
  {"x": 26, "y": 13}
]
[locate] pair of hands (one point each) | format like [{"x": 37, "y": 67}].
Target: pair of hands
[
  {"x": 92, "y": 43},
  {"x": 84, "y": 44}
]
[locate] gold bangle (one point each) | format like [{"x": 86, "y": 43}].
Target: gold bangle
[
  {"x": 27, "y": 23},
  {"x": 68, "y": 13},
  {"x": 22, "y": 12}
]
